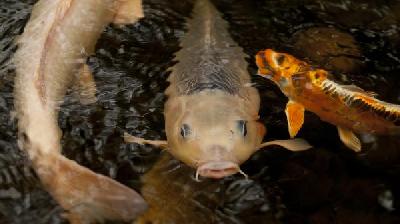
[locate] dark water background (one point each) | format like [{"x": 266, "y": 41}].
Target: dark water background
[{"x": 357, "y": 40}]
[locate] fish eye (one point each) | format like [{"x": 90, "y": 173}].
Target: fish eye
[
  {"x": 280, "y": 58},
  {"x": 185, "y": 130},
  {"x": 242, "y": 126}
]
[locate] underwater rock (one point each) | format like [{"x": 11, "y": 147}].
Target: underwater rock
[
  {"x": 349, "y": 13},
  {"x": 329, "y": 48},
  {"x": 388, "y": 26}
]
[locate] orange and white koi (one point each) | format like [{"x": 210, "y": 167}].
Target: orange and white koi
[{"x": 348, "y": 107}]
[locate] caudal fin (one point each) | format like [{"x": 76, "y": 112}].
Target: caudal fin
[{"x": 87, "y": 196}]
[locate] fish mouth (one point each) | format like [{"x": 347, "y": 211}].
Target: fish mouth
[
  {"x": 218, "y": 169},
  {"x": 263, "y": 64},
  {"x": 266, "y": 73}
]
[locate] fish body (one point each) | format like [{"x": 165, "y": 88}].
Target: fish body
[
  {"x": 212, "y": 109},
  {"x": 51, "y": 56},
  {"x": 348, "y": 107}
]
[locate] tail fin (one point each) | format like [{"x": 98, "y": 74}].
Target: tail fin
[{"x": 87, "y": 196}]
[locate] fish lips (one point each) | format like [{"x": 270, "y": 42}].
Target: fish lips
[
  {"x": 266, "y": 73},
  {"x": 218, "y": 169}
]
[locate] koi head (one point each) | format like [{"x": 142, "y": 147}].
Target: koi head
[
  {"x": 286, "y": 70},
  {"x": 274, "y": 65},
  {"x": 212, "y": 132}
]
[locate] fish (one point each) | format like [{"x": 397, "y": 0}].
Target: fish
[
  {"x": 211, "y": 114},
  {"x": 51, "y": 57},
  {"x": 173, "y": 196},
  {"x": 350, "y": 108}
]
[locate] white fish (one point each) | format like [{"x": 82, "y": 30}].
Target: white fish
[
  {"x": 50, "y": 58},
  {"x": 212, "y": 110}
]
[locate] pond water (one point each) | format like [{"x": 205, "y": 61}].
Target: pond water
[{"x": 357, "y": 40}]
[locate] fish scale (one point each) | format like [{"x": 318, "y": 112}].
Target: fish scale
[{"x": 351, "y": 99}]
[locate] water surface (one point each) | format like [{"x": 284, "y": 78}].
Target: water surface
[{"x": 357, "y": 40}]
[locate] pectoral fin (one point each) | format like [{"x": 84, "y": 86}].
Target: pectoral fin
[
  {"x": 295, "y": 117},
  {"x": 294, "y": 145},
  {"x": 86, "y": 86},
  {"x": 129, "y": 12},
  {"x": 349, "y": 139},
  {"x": 157, "y": 143}
]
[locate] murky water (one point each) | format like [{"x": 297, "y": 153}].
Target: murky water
[{"x": 358, "y": 40}]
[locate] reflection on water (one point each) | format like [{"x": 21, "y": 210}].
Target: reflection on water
[{"x": 328, "y": 184}]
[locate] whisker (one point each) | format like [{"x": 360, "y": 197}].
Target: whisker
[
  {"x": 197, "y": 176},
  {"x": 244, "y": 174}
]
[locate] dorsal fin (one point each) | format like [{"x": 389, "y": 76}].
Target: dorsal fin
[
  {"x": 355, "y": 88},
  {"x": 356, "y": 97},
  {"x": 330, "y": 88},
  {"x": 389, "y": 112}
]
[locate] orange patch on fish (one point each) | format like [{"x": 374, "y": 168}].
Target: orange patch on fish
[{"x": 295, "y": 117}]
